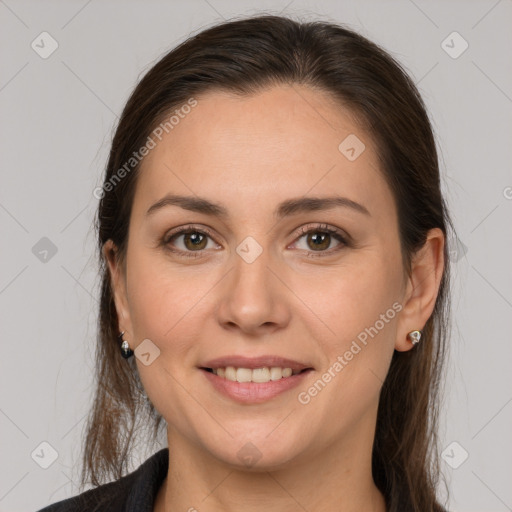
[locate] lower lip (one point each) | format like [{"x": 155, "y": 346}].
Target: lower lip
[{"x": 254, "y": 392}]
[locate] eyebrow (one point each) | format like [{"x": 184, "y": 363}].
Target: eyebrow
[{"x": 284, "y": 209}]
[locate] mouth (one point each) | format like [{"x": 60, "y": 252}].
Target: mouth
[
  {"x": 257, "y": 375},
  {"x": 254, "y": 380}
]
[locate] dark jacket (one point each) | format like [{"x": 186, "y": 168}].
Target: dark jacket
[{"x": 135, "y": 492}]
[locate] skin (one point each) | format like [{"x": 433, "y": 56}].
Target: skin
[{"x": 249, "y": 154}]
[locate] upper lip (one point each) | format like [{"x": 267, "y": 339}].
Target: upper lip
[{"x": 255, "y": 362}]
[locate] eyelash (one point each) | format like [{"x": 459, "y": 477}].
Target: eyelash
[{"x": 305, "y": 230}]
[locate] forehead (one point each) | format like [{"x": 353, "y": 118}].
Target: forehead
[{"x": 281, "y": 142}]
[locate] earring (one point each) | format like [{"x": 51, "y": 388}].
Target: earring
[
  {"x": 126, "y": 351},
  {"x": 414, "y": 337}
]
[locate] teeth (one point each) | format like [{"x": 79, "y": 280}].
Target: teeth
[
  {"x": 259, "y": 375},
  {"x": 287, "y": 372},
  {"x": 276, "y": 373},
  {"x": 244, "y": 375},
  {"x": 230, "y": 373}
]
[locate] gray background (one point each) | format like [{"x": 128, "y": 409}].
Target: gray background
[{"x": 57, "y": 119}]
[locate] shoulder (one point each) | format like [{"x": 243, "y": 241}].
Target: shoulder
[
  {"x": 136, "y": 491},
  {"x": 105, "y": 497}
]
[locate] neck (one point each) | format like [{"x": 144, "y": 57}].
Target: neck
[{"x": 338, "y": 478}]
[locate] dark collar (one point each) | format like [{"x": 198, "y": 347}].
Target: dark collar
[
  {"x": 147, "y": 482},
  {"x": 135, "y": 492}
]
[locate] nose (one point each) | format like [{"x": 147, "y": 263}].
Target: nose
[{"x": 253, "y": 299}]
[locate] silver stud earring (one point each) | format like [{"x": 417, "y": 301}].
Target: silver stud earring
[
  {"x": 126, "y": 351},
  {"x": 414, "y": 337}
]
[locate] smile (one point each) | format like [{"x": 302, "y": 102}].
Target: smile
[
  {"x": 254, "y": 380},
  {"x": 258, "y": 375}
]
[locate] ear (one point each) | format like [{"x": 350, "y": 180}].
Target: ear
[
  {"x": 421, "y": 288},
  {"x": 118, "y": 285}
]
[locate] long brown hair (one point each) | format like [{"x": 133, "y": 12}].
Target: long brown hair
[{"x": 244, "y": 56}]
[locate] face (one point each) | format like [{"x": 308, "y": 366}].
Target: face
[{"x": 265, "y": 278}]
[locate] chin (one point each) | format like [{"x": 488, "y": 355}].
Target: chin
[{"x": 257, "y": 453}]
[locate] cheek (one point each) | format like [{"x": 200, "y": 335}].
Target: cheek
[
  {"x": 165, "y": 306},
  {"x": 355, "y": 311},
  {"x": 160, "y": 298},
  {"x": 350, "y": 299},
  {"x": 355, "y": 314}
]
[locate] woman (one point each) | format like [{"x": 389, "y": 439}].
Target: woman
[{"x": 273, "y": 241}]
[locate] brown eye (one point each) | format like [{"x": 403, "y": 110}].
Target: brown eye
[
  {"x": 194, "y": 241},
  {"x": 320, "y": 239},
  {"x": 189, "y": 241}
]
